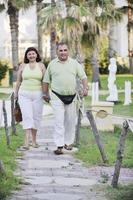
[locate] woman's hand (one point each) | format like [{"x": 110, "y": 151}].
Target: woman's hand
[{"x": 15, "y": 96}]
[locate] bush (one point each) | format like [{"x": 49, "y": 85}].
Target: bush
[
  {"x": 46, "y": 62},
  {"x": 121, "y": 69},
  {"x": 4, "y": 66}
]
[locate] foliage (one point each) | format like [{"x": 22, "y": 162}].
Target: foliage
[
  {"x": 46, "y": 62},
  {"x": 9, "y": 182},
  {"x": 88, "y": 68},
  {"x": 121, "y": 69},
  {"x": 103, "y": 55},
  {"x": 4, "y": 66}
]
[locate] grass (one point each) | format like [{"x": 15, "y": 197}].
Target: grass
[
  {"x": 119, "y": 109},
  {"x": 89, "y": 152},
  {"x": 120, "y": 80},
  {"x": 4, "y": 96},
  {"x": 8, "y": 181},
  {"x": 121, "y": 193}
]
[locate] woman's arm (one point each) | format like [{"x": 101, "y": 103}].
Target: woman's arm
[
  {"x": 19, "y": 80},
  {"x": 43, "y": 69}
]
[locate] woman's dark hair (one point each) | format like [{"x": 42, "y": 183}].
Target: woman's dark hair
[{"x": 26, "y": 60}]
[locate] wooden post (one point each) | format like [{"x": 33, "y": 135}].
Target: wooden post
[
  {"x": 2, "y": 170},
  {"x": 77, "y": 138},
  {"x": 12, "y": 115},
  {"x": 120, "y": 153},
  {"x": 96, "y": 135},
  {"x": 6, "y": 124}
]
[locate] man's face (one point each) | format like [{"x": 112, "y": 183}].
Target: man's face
[{"x": 62, "y": 52}]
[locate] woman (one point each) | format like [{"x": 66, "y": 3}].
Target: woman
[{"x": 29, "y": 93}]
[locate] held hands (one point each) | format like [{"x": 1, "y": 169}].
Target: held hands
[
  {"x": 15, "y": 96},
  {"x": 46, "y": 97}
]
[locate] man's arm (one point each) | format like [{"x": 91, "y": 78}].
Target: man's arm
[
  {"x": 45, "y": 89},
  {"x": 85, "y": 87}
]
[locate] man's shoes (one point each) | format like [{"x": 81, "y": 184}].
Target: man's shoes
[
  {"x": 68, "y": 147},
  {"x": 58, "y": 151}
]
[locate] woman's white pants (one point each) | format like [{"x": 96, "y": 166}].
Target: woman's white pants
[{"x": 31, "y": 104}]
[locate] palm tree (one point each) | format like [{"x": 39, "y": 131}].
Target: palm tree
[
  {"x": 130, "y": 34},
  {"x": 48, "y": 19},
  {"x": 39, "y": 6},
  {"x": 72, "y": 25},
  {"x": 12, "y": 7}
]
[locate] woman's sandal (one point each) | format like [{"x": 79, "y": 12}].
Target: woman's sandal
[
  {"x": 35, "y": 145},
  {"x": 68, "y": 147},
  {"x": 25, "y": 147}
]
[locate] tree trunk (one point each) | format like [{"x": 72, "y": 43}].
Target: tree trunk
[
  {"x": 53, "y": 38},
  {"x": 39, "y": 29},
  {"x": 130, "y": 36},
  {"x": 14, "y": 17},
  {"x": 96, "y": 135},
  {"x": 2, "y": 170},
  {"x": 120, "y": 153},
  {"x": 53, "y": 43},
  {"x": 112, "y": 39},
  {"x": 95, "y": 68}
]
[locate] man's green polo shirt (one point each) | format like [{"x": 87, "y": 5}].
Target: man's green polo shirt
[{"x": 62, "y": 75}]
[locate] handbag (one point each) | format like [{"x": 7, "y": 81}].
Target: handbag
[
  {"x": 66, "y": 99},
  {"x": 17, "y": 112}
]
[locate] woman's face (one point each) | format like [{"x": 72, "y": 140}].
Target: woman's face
[{"x": 31, "y": 56}]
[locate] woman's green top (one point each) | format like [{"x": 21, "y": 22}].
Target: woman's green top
[{"x": 31, "y": 78}]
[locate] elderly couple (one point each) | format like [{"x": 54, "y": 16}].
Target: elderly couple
[{"x": 33, "y": 82}]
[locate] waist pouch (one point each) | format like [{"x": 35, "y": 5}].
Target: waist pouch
[{"x": 66, "y": 99}]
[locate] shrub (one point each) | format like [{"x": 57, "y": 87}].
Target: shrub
[
  {"x": 46, "y": 62},
  {"x": 4, "y": 66}
]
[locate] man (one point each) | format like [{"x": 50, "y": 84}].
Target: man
[{"x": 61, "y": 75}]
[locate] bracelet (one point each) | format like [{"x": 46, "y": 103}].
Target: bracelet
[{"x": 45, "y": 95}]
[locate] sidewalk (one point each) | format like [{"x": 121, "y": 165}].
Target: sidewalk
[{"x": 50, "y": 177}]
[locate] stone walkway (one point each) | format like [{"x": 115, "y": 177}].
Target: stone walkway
[{"x": 50, "y": 177}]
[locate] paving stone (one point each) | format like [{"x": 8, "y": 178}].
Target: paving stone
[
  {"x": 65, "y": 181},
  {"x": 33, "y": 163},
  {"x": 57, "y": 196}
]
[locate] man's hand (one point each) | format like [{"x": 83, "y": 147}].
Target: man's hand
[
  {"x": 85, "y": 91},
  {"x": 46, "y": 97}
]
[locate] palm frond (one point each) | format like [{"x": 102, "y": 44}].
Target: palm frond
[
  {"x": 48, "y": 16},
  {"x": 78, "y": 11},
  {"x": 22, "y": 4},
  {"x": 71, "y": 28}
]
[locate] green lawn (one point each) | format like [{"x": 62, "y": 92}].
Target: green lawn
[
  {"x": 122, "y": 193},
  {"x": 119, "y": 109},
  {"x": 4, "y": 96},
  {"x": 9, "y": 182},
  {"x": 89, "y": 152},
  {"x": 120, "y": 81}
]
